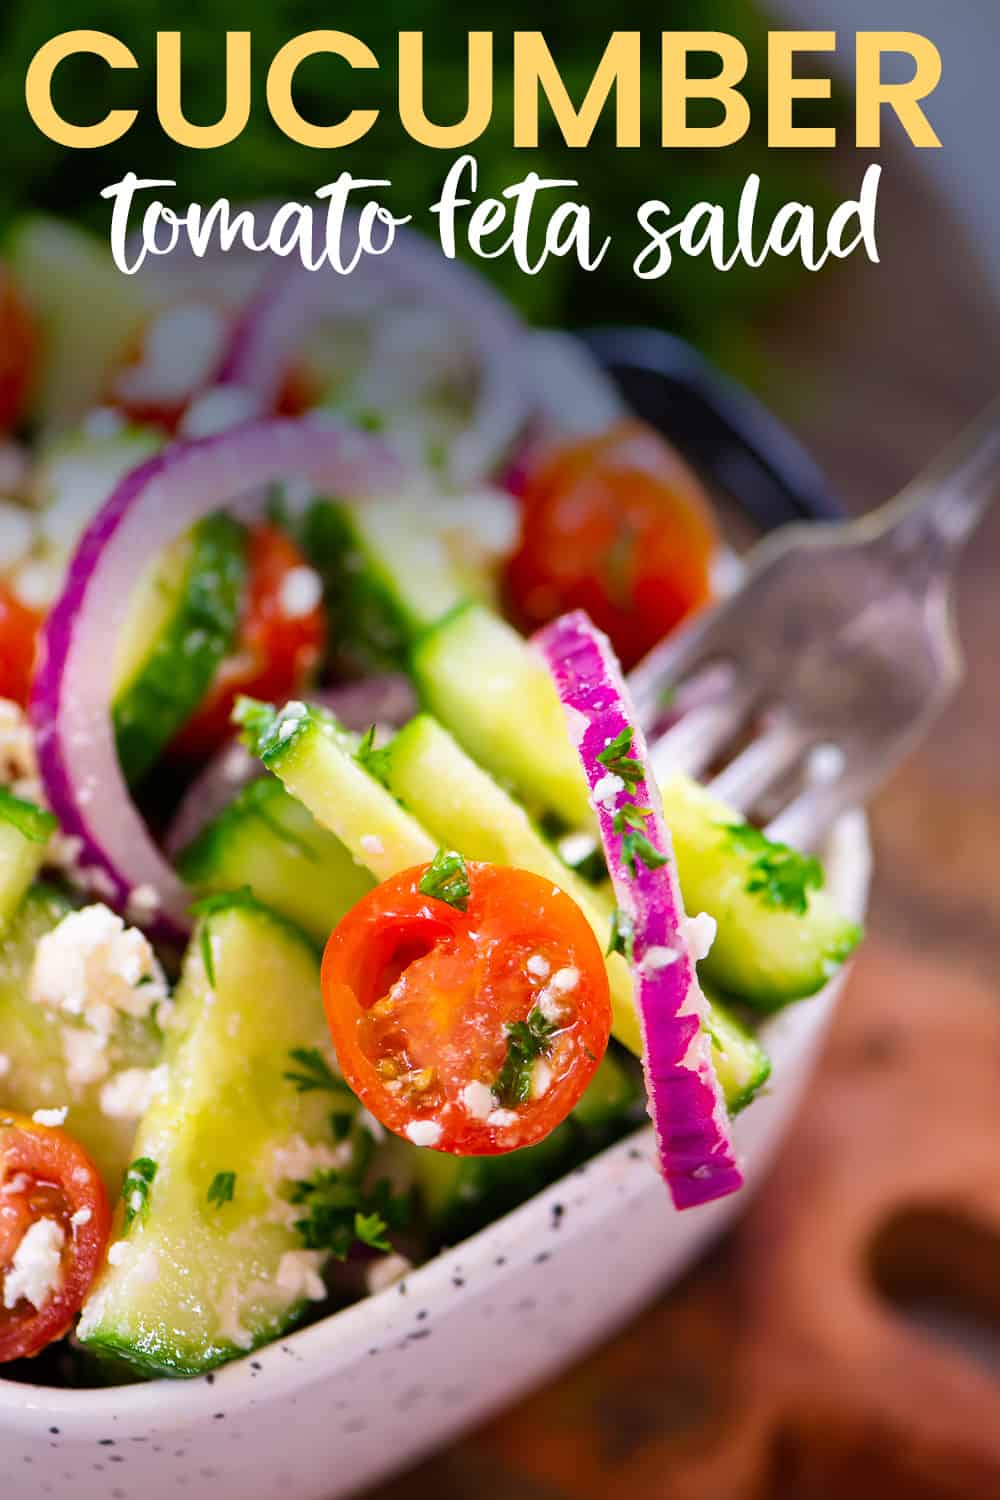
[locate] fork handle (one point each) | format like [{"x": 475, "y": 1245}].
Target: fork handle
[{"x": 929, "y": 522}]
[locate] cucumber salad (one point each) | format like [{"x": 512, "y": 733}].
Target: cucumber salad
[{"x": 342, "y": 907}]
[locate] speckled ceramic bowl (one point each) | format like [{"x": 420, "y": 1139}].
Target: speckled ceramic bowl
[{"x": 343, "y": 1403}]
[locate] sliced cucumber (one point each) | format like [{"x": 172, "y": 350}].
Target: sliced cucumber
[
  {"x": 741, "y": 1064},
  {"x": 386, "y": 575},
  {"x": 268, "y": 841},
  {"x": 767, "y": 955},
  {"x": 182, "y": 621},
  {"x": 316, "y": 760},
  {"x": 482, "y": 680},
  {"x": 612, "y": 1092},
  {"x": 88, "y": 310},
  {"x": 35, "y": 1042},
  {"x": 464, "y": 808},
  {"x": 25, "y": 831},
  {"x": 197, "y": 1282},
  {"x": 461, "y": 1193}
]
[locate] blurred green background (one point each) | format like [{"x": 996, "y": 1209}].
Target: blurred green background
[{"x": 714, "y": 309}]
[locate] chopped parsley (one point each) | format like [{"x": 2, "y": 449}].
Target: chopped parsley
[
  {"x": 447, "y": 879},
  {"x": 375, "y": 761},
  {"x": 619, "y": 758},
  {"x": 339, "y": 1213},
  {"x": 27, "y": 817},
  {"x": 629, "y": 815},
  {"x": 222, "y": 1188},
  {"x": 622, "y": 938},
  {"x": 135, "y": 1189},
  {"x": 313, "y": 1073},
  {"x": 636, "y": 849},
  {"x": 778, "y": 874},
  {"x": 526, "y": 1041}
]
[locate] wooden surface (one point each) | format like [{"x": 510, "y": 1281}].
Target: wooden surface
[{"x": 791, "y": 1366}]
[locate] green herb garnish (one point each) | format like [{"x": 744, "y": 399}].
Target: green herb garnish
[
  {"x": 622, "y": 939},
  {"x": 222, "y": 1188},
  {"x": 619, "y": 758},
  {"x": 375, "y": 761},
  {"x": 27, "y": 817},
  {"x": 526, "y": 1041},
  {"x": 339, "y": 1212},
  {"x": 135, "y": 1189},
  {"x": 778, "y": 874},
  {"x": 447, "y": 880},
  {"x": 636, "y": 849},
  {"x": 629, "y": 815},
  {"x": 315, "y": 1073}
]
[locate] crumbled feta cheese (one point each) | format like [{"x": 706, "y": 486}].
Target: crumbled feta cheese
[
  {"x": 298, "y": 1275},
  {"x": 53, "y": 1117},
  {"x": 4, "y": 1065},
  {"x": 16, "y": 532},
  {"x": 541, "y": 1077},
  {"x": 81, "y": 1217},
  {"x": 103, "y": 422},
  {"x": 143, "y": 901},
  {"x": 658, "y": 957},
  {"x": 18, "y": 764},
  {"x": 296, "y": 1160},
  {"x": 147, "y": 1266},
  {"x": 86, "y": 1054},
  {"x": 550, "y": 999},
  {"x": 607, "y": 789},
  {"x": 700, "y": 932},
  {"x": 539, "y": 965},
  {"x": 386, "y": 1271},
  {"x": 37, "y": 583},
  {"x": 35, "y": 1273},
  {"x": 128, "y": 1094},
  {"x": 216, "y": 410},
  {"x": 228, "y": 1308},
  {"x": 372, "y": 844},
  {"x": 117, "y": 1253},
  {"x": 301, "y": 591},
  {"x": 92, "y": 965},
  {"x": 574, "y": 848},
  {"x": 477, "y": 1100},
  {"x": 18, "y": 1184},
  {"x": 424, "y": 1132},
  {"x": 501, "y": 1118}
]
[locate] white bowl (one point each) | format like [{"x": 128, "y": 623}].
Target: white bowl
[{"x": 340, "y": 1405}]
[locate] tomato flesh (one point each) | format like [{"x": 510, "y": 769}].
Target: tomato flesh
[
  {"x": 18, "y": 352},
  {"x": 19, "y": 627},
  {"x": 45, "y": 1174},
  {"x": 618, "y": 526},
  {"x": 277, "y": 649},
  {"x": 509, "y": 997}
]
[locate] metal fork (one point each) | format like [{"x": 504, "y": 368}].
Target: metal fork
[{"x": 811, "y": 683}]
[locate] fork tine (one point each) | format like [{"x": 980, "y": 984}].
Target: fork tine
[
  {"x": 694, "y": 741},
  {"x": 755, "y": 770},
  {"x": 664, "y": 668},
  {"x": 808, "y": 818}
]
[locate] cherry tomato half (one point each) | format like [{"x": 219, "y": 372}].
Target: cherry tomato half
[
  {"x": 18, "y": 351},
  {"x": 279, "y": 643},
  {"x": 19, "y": 628},
  {"x": 475, "y": 1031},
  {"x": 44, "y": 1174},
  {"x": 616, "y": 525}
]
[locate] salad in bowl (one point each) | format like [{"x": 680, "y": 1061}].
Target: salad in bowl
[{"x": 343, "y": 906}]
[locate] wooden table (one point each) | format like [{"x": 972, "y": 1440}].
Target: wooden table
[{"x": 785, "y": 1368}]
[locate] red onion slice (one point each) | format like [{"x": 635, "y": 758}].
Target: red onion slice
[
  {"x": 150, "y": 507},
  {"x": 293, "y": 300},
  {"x": 697, "y": 1157},
  {"x": 385, "y": 700}
]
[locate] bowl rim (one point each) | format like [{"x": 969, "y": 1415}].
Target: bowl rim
[{"x": 379, "y": 1322}]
